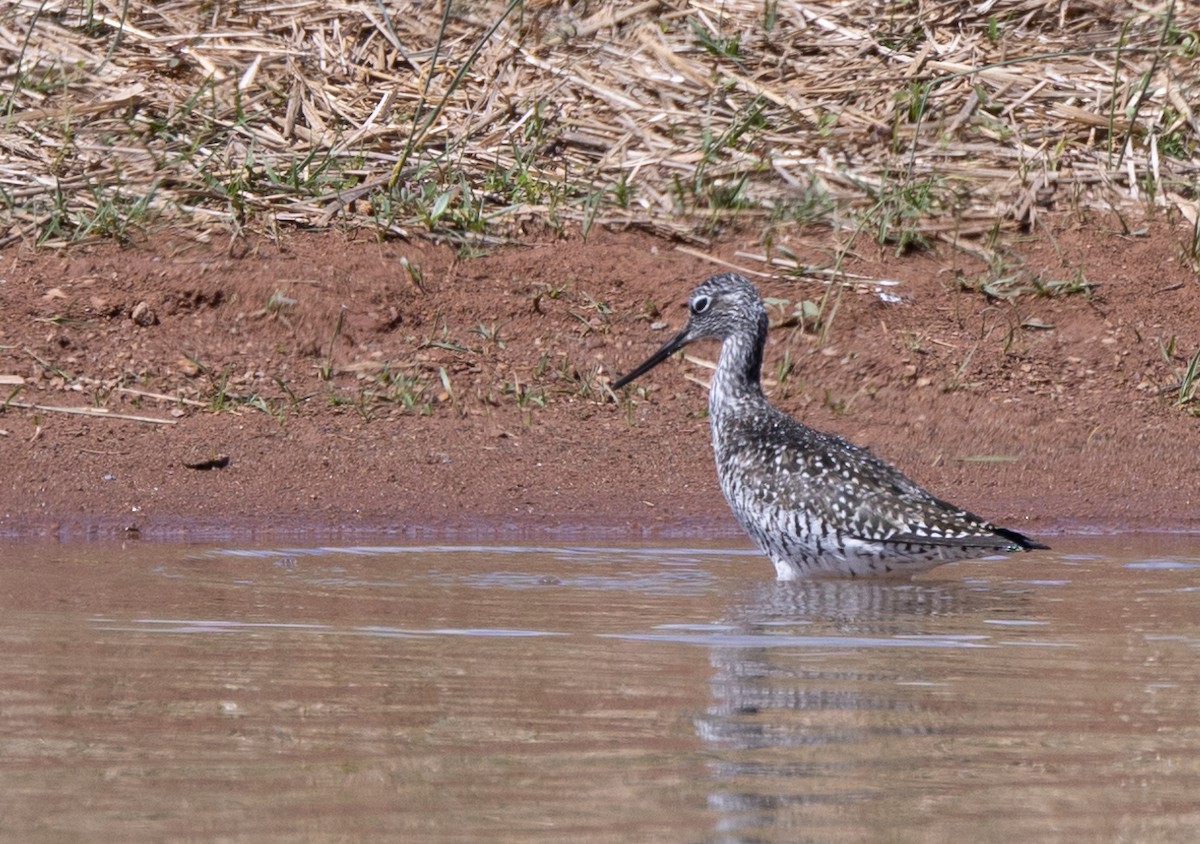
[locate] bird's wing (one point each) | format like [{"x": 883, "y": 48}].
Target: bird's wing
[{"x": 878, "y": 503}]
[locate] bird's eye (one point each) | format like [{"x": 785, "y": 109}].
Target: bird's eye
[{"x": 700, "y": 304}]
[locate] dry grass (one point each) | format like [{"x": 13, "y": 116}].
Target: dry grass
[{"x": 908, "y": 119}]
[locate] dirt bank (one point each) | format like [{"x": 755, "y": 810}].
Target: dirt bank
[{"x": 346, "y": 385}]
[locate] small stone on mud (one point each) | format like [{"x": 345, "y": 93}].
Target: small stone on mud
[
  {"x": 219, "y": 461},
  {"x": 187, "y": 367},
  {"x": 143, "y": 315}
]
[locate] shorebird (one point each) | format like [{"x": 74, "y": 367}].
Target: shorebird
[{"x": 813, "y": 502}]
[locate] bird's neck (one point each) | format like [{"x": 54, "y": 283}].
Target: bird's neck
[{"x": 737, "y": 379}]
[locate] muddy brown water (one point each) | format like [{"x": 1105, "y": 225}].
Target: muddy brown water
[{"x": 153, "y": 692}]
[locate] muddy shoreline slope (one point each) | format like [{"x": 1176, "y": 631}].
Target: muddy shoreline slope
[{"x": 312, "y": 385}]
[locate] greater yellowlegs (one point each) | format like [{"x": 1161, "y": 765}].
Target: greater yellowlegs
[{"x": 813, "y": 502}]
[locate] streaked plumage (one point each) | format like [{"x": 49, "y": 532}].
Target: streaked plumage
[{"x": 813, "y": 502}]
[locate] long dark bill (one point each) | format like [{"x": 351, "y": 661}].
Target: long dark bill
[{"x": 672, "y": 346}]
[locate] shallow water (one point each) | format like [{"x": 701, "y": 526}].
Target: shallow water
[{"x": 154, "y": 692}]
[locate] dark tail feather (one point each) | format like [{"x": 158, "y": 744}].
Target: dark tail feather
[{"x": 1023, "y": 542}]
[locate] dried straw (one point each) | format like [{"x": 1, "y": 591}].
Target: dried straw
[{"x": 938, "y": 119}]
